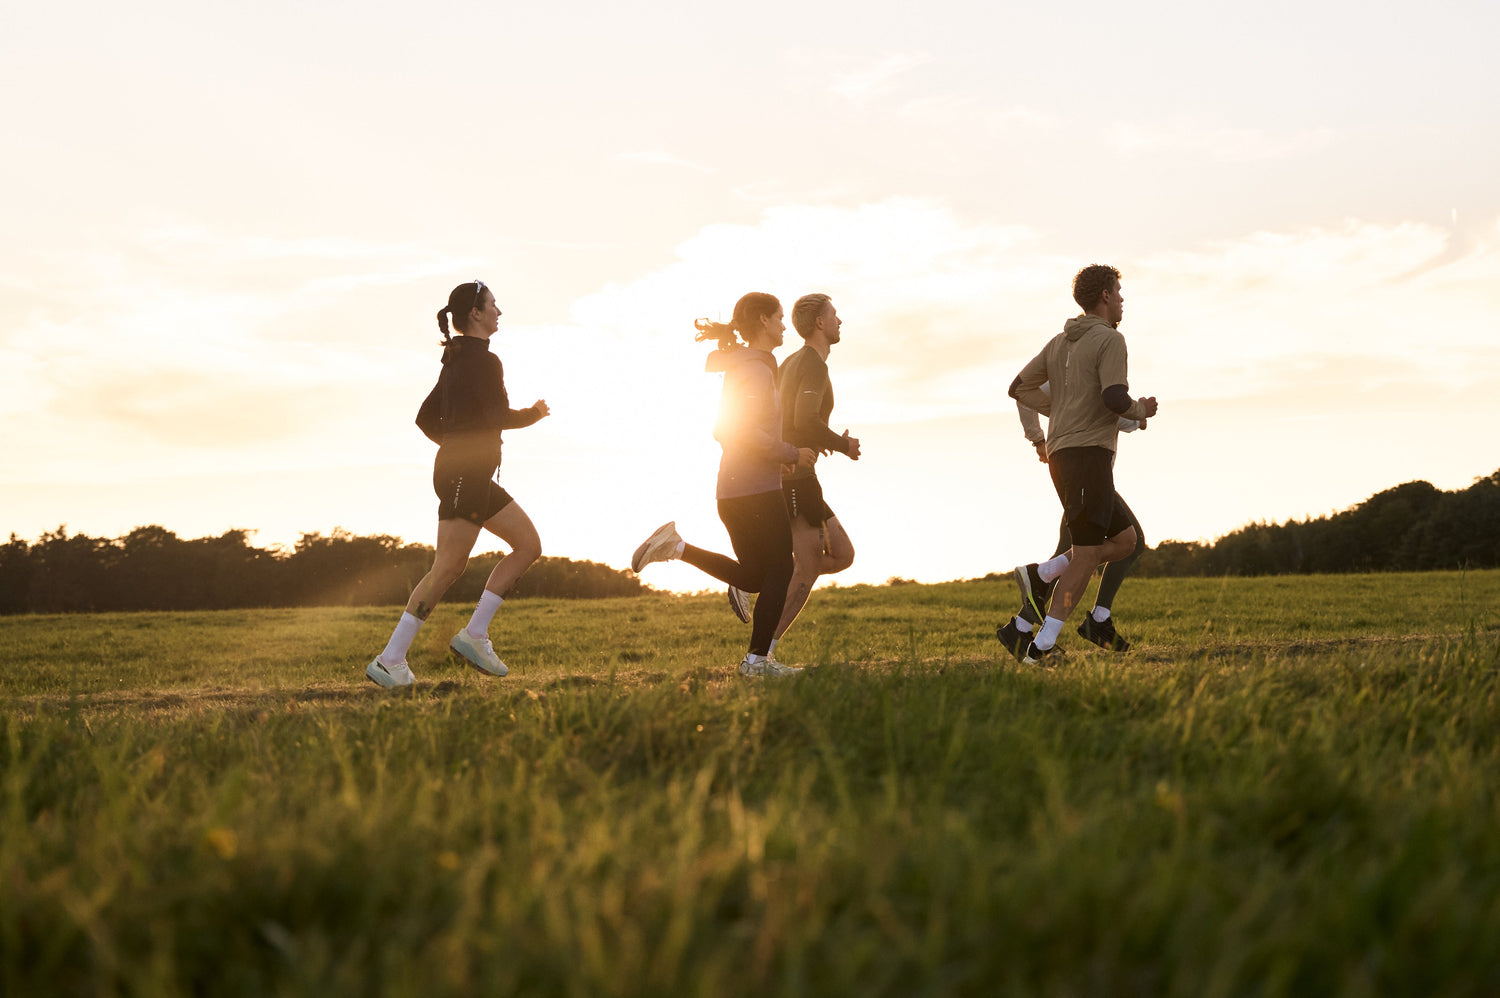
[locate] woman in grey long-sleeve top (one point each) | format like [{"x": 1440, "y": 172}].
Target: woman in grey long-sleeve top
[{"x": 749, "y": 486}]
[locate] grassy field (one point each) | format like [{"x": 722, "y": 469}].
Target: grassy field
[{"x": 1289, "y": 787}]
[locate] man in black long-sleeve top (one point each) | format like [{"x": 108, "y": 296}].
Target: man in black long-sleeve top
[{"x": 820, "y": 545}]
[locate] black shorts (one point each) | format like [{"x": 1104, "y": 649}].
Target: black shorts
[
  {"x": 804, "y": 498},
  {"x": 1085, "y": 481},
  {"x": 468, "y": 492}
]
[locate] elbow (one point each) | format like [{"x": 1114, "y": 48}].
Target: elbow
[
  {"x": 1015, "y": 388},
  {"x": 1117, "y": 399}
]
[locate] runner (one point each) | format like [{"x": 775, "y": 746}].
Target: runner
[
  {"x": 1098, "y": 626},
  {"x": 749, "y": 485},
  {"x": 1086, "y": 366},
  {"x": 466, "y": 413},
  {"x": 820, "y": 545}
]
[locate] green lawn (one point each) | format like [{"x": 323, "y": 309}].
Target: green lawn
[{"x": 1287, "y": 787}]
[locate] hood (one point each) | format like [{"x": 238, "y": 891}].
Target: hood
[
  {"x": 723, "y": 360},
  {"x": 1079, "y": 325}
]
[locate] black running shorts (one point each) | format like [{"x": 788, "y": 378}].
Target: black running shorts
[
  {"x": 804, "y": 498},
  {"x": 468, "y": 492},
  {"x": 1085, "y": 481}
]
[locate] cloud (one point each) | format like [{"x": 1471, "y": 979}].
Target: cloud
[
  {"x": 865, "y": 83},
  {"x": 1239, "y": 318}
]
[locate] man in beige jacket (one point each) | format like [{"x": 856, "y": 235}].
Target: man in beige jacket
[{"x": 1086, "y": 368}]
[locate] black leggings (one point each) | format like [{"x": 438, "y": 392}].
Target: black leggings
[
  {"x": 762, "y": 538},
  {"x": 1115, "y": 571}
]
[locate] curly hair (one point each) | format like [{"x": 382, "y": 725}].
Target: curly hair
[{"x": 1090, "y": 283}]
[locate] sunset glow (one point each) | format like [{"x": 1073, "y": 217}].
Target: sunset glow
[{"x": 228, "y": 232}]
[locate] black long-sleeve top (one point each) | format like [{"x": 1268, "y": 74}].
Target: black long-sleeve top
[
  {"x": 475, "y": 405},
  {"x": 806, "y": 404}
]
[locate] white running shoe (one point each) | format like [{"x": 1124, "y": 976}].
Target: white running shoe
[
  {"x": 389, "y": 676},
  {"x": 478, "y": 652},
  {"x": 766, "y": 667},
  {"x": 739, "y": 602},
  {"x": 660, "y": 546}
]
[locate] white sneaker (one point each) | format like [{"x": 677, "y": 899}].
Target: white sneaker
[
  {"x": 660, "y": 546},
  {"x": 739, "y": 602},
  {"x": 478, "y": 652},
  {"x": 766, "y": 667},
  {"x": 389, "y": 676}
]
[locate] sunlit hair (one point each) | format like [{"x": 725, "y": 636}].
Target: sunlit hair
[
  {"x": 1091, "y": 282},
  {"x": 806, "y": 311},
  {"x": 461, "y": 301},
  {"x": 748, "y": 313}
]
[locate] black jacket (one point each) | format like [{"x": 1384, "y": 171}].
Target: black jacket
[{"x": 475, "y": 407}]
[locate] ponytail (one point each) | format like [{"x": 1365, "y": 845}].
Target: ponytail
[
  {"x": 461, "y": 301},
  {"x": 722, "y": 332},
  {"x": 748, "y": 313}
]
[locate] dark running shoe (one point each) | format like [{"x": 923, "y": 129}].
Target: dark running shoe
[
  {"x": 1011, "y": 637},
  {"x": 1034, "y": 592},
  {"x": 1102, "y": 633},
  {"x": 1035, "y": 656}
]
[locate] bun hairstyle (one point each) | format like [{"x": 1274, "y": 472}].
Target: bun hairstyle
[
  {"x": 461, "y": 301},
  {"x": 748, "y": 313}
]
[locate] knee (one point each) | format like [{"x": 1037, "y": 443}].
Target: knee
[
  {"x": 445, "y": 573},
  {"x": 528, "y": 550}
]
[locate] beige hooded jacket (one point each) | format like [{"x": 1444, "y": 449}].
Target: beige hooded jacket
[{"x": 1087, "y": 357}]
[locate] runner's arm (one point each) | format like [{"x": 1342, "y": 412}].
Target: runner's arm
[
  {"x": 1027, "y": 388},
  {"x": 809, "y": 429}
]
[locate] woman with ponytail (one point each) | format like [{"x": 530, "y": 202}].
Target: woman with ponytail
[
  {"x": 470, "y": 409},
  {"x": 749, "y": 488}
]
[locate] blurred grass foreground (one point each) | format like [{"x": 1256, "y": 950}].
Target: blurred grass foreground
[{"x": 1288, "y": 787}]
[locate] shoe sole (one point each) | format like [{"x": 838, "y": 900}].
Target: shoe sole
[
  {"x": 740, "y": 611},
  {"x": 1046, "y": 661},
  {"x": 476, "y": 666},
  {"x": 1119, "y": 644},
  {"x": 371, "y": 675},
  {"x": 661, "y": 533},
  {"x": 1023, "y": 579}
]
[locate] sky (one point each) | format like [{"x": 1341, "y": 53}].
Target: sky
[{"x": 228, "y": 229}]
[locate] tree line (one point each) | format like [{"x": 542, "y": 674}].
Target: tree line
[
  {"x": 1412, "y": 527},
  {"x": 151, "y": 568}
]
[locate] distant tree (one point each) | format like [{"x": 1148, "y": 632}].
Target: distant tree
[
  {"x": 151, "y": 568},
  {"x": 15, "y": 575},
  {"x": 1413, "y": 526}
]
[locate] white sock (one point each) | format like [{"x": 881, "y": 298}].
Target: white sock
[
  {"x": 479, "y": 624},
  {"x": 1050, "y": 630},
  {"x": 1050, "y": 569},
  {"x": 753, "y": 658},
  {"x": 1101, "y": 614},
  {"x": 1022, "y": 624},
  {"x": 401, "y": 639},
  {"x": 771, "y": 651},
  {"x": 677, "y": 551}
]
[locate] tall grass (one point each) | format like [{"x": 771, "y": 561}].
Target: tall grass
[{"x": 1281, "y": 791}]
